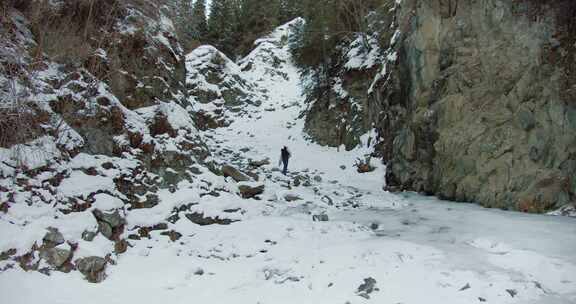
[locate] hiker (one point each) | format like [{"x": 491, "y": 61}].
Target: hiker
[{"x": 284, "y": 156}]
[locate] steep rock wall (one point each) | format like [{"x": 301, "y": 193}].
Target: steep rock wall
[{"x": 481, "y": 106}]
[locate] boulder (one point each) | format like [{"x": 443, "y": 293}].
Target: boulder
[
  {"x": 366, "y": 288},
  {"x": 200, "y": 219},
  {"x": 56, "y": 257},
  {"x": 364, "y": 168},
  {"x": 172, "y": 234},
  {"x": 53, "y": 238},
  {"x": 111, "y": 225},
  {"x": 234, "y": 173},
  {"x": 89, "y": 236},
  {"x": 250, "y": 190},
  {"x": 291, "y": 197},
  {"x": 253, "y": 175},
  {"x": 259, "y": 163},
  {"x": 320, "y": 218},
  {"x": 121, "y": 246},
  {"x": 93, "y": 268}
]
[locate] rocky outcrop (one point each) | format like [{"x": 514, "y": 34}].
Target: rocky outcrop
[
  {"x": 99, "y": 120},
  {"x": 218, "y": 90},
  {"x": 342, "y": 108},
  {"x": 472, "y": 100},
  {"x": 480, "y": 106}
]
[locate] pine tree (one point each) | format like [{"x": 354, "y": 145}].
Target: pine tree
[
  {"x": 199, "y": 24},
  {"x": 256, "y": 19},
  {"x": 183, "y": 21},
  {"x": 290, "y": 9},
  {"x": 223, "y": 25}
]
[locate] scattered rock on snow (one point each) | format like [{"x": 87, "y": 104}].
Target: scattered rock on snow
[
  {"x": 199, "y": 271},
  {"x": 53, "y": 238},
  {"x": 111, "y": 225},
  {"x": 297, "y": 181},
  {"x": 198, "y": 218},
  {"x": 291, "y": 197},
  {"x": 366, "y": 288},
  {"x": 326, "y": 199},
  {"x": 259, "y": 163},
  {"x": 365, "y": 168},
  {"x": 121, "y": 246},
  {"x": 318, "y": 178},
  {"x": 172, "y": 234},
  {"x": 250, "y": 190},
  {"x": 56, "y": 257},
  {"x": 512, "y": 292},
  {"x": 253, "y": 175},
  {"x": 320, "y": 218},
  {"x": 234, "y": 173},
  {"x": 4, "y": 255},
  {"x": 93, "y": 268},
  {"x": 89, "y": 236}
]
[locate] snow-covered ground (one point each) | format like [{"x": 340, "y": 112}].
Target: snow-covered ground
[{"x": 376, "y": 247}]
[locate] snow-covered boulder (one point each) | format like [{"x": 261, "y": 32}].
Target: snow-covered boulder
[
  {"x": 271, "y": 59},
  {"x": 217, "y": 88}
]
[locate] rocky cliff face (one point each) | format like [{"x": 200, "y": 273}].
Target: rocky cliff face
[
  {"x": 94, "y": 123},
  {"x": 482, "y": 106},
  {"x": 473, "y": 100}
]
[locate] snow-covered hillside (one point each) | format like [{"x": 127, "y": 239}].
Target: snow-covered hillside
[{"x": 322, "y": 234}]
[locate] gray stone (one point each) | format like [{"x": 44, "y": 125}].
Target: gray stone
[
  {"x": 320, "y": 218},
  {"x": 318, "y": 178},
  {"x": 199, "y": 272},
  {"x": 111, "y": 225},
  {"x": 56, "y": 257},
  {"x": 527, "y": 120},
  {"x": 291, "y": 198},
  {"x": 89, "y": 236},
  {"x": 297, "y": 181},
  {"x": 200, "y": 219},
  {"x": 367, "y": 288},
  {"x": 93, "y": 268},
  {"x": 114, "y": 218},
  {"x": 106, "y": 230},
  {"x": 53, "y": 238}
]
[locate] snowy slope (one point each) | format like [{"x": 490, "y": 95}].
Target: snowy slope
[{"x": 377, "y": 247}]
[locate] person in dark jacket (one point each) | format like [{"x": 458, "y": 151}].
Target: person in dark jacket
[{"x": 284, "y": 157}]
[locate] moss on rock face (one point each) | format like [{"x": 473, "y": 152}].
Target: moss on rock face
[{"x": 499, "y": 127}]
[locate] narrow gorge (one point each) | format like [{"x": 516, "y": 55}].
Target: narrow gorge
[{"x": 432, "y": 151}]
